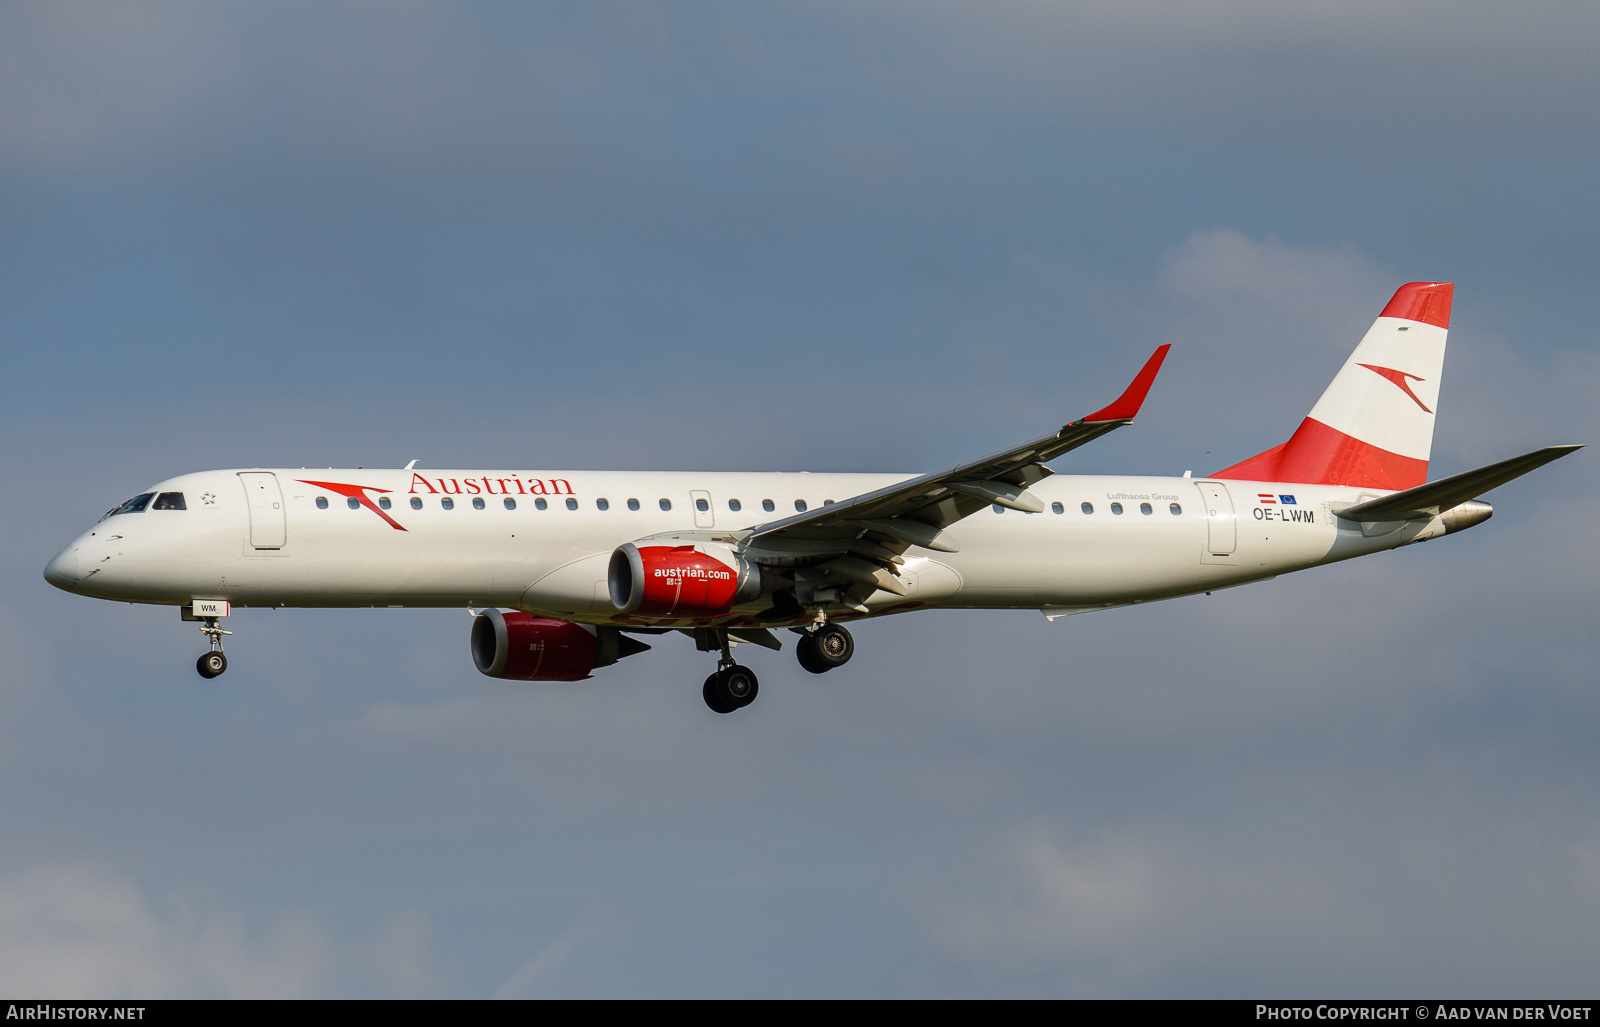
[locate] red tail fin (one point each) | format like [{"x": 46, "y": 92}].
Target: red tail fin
[{"x": 1373, "y": 427}]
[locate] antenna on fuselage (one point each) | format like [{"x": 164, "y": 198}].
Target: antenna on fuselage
[{"x": 410, "y": 465}]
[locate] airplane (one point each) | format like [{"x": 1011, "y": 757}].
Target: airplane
[{"x": 564, "y": 571}]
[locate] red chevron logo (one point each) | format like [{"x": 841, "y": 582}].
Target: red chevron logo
[
  {"x": 1399, "y": 378},
  {"x": 358, "y": 493}
]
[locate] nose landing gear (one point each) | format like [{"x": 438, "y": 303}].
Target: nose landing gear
[{"x": 215, "y": 662}]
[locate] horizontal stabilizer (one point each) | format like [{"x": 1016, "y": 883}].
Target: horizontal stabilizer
[{"x": 1438, "y": 496}]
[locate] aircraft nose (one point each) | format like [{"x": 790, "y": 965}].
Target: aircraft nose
[{"x": 62, "y": 572}]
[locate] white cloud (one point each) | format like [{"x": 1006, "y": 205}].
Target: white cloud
[
  {"x": 400, "y": 962},
  {"x": 79, "y": 932},
  {"x": 1431, "y": 884},
  {"x": 526, "y": 982},
  {"x": 1043, "y": 902}
]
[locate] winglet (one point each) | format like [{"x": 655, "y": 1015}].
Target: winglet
[{"x": 1132, "y": 398}]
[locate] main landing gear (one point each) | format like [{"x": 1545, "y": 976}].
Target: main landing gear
[
  {"x": 822, "y": 647},
  {"x": 215, "y": 662},
  {"x": 825, "y": 646},
  {"x": 733, "y": 686},
  {"x": 730, "y": 688}
]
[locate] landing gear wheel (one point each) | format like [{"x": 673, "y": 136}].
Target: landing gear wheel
[
  {"x": 714, "y": 698},
  {"x": 211, "y": 664},
  {"x": 806, "y": 650},
  {"x": 832, "y": 645},
  {"x": 740, "y": 684},
  {"x": 730, "y": 689}
]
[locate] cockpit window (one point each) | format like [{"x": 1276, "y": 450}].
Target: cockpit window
[
  {"x": 134, "y": 505},
  {"x": 169, "y": 501}
]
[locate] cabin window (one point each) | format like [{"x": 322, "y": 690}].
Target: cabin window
[
  {"x": 510, "y": 504},
  {"x": 666, "y": 504},
  {"x": 800, "y": 505},
  {"x": 448, "y": 504},
  {"x": 572, "y": 504},
  {"x": 540, "y": 504},
  {"x": 768, "y": 505},
  {"x": 1087, "y": 508},
  {"x": 322, "y": 502},
  {"x": 416, "y": 502},
  {"x": 1177, "y": 511},
  {"x": 477, "y": 504},
  {"x": 169, "y": 501},
  {"x": 702, "y": 505},
  {"x": 602, "y": 504},
  {"x": 383, "y": 502},
  {"x": 353, "y": 503},
  {"x": 1057, "y": 508},
  {"x": 1116, "y": 508},
  {"x": 1146, "y": 509},
  {"x": 633, "y": 504},
  {"x": 827, "y": 502},
  {"x": 733, "y": 504}
]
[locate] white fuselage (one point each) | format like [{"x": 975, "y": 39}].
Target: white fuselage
[{"x": 402, "y": 538}]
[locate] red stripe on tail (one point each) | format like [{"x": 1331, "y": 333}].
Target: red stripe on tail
[{"x": 1320, "y": 455}]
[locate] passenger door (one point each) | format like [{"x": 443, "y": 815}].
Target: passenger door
[
  {"x": 268, "y": 527},
  {"x": 1222, "y": 526}
]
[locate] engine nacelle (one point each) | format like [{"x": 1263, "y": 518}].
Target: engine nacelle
[
  {"x": 527, "y": 648},
  {"x": 658, "y": 579}
]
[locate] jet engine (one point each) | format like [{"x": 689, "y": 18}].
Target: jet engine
[
  {"x": 527, "y": 648},
  {"x": 657, "y": 579}
]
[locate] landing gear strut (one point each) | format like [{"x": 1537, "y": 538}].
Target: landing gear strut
[
  {"x": 733, "y": 686},
  {"x": 214, "y": 662}
]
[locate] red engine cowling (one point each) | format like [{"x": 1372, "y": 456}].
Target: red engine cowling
[
  {"x": 527, "y": 648},
  {"x": 663, "y": 580}
]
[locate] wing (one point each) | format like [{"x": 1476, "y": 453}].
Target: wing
[{"x": 860, "y": 539}]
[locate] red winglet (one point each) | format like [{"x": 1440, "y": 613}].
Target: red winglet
[
  {"x": 1132, "y": 398},
  {"x": 1428, "y": 302}
]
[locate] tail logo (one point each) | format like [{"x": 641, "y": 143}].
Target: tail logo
[{"x": 1399, "y": 379}]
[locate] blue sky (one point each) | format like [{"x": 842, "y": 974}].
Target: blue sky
[{"x": 812, "y": 236}]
